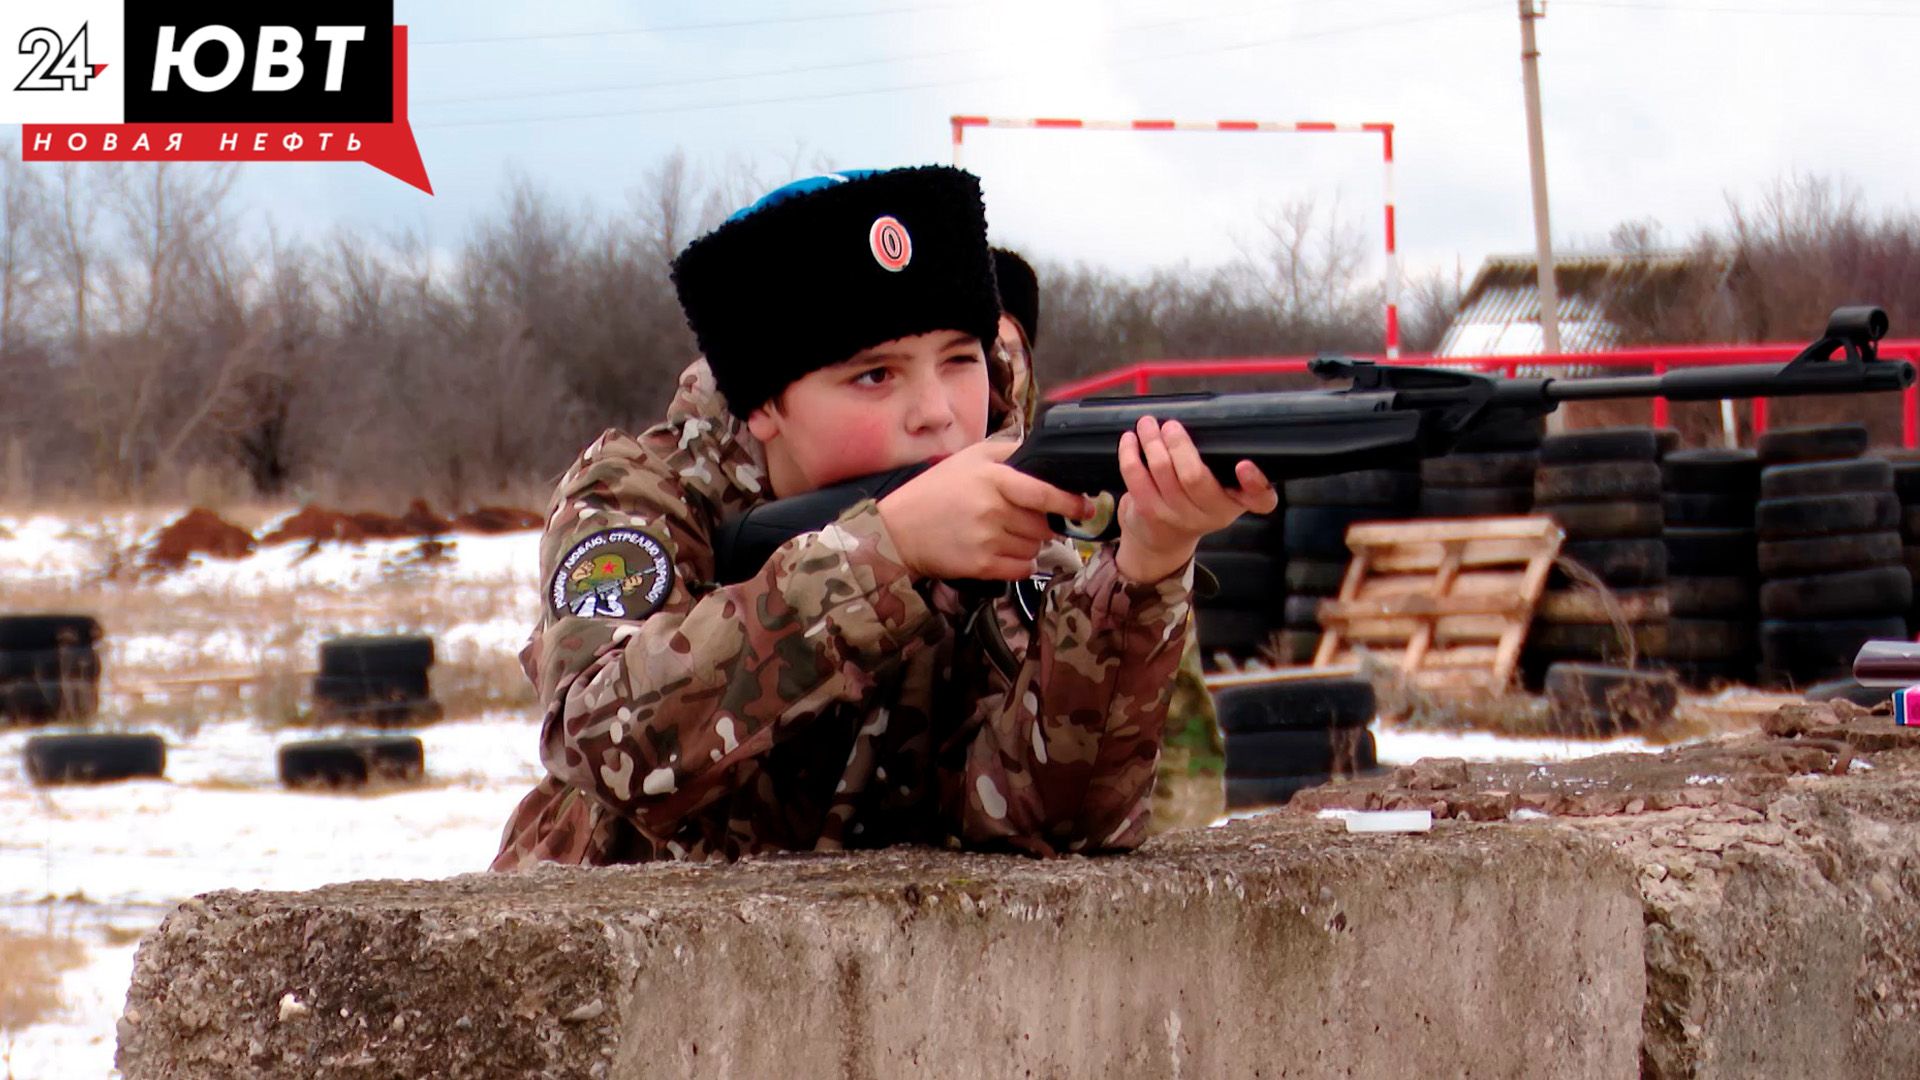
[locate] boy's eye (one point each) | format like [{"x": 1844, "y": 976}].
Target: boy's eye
[
  {"x": 871, "y": 377},
  {"x": 968, "y": 357}
]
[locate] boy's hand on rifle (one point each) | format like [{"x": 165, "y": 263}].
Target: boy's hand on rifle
[
  {"x": 1172, "y": 499},
  {"x": 970, "y": 516}
]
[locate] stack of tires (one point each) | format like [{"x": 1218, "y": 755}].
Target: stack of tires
[
  {"x": 1286, "y": 735},
  {"x": 352, "y": 762},
  {"x": 1906, "y": 485},
  {"x": 1490, "y": 474},
  {"x": 1603, "y": 487},
  {"x": 1246, "y": 559},
  {"x": 49, "y": 668},
  {"x": 94, "y": 758},
  {"x": 1830, "y": 554},
  {"x": 381, "y": 681},
  {"x": 1319, "y": 511},
  {"x": 1713, "y": 585}
]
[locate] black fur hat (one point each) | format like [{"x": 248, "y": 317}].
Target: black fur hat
[
  {"x": 825, "y": 267},
  {"x": 1019, "y": 291}
]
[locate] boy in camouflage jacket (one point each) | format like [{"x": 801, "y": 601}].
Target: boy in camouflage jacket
[{"x": 837, "y": 699}]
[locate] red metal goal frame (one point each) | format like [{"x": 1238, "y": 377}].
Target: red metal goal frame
[{"x": 1384, "y": 130}]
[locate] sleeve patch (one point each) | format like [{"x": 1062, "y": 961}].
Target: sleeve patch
[{"x": 613, "y": 574}]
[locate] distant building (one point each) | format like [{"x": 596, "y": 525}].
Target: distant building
[{"x": 1500, "y": 313}]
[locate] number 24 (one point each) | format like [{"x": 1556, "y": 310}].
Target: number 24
[{"x": 56, "y": 62}]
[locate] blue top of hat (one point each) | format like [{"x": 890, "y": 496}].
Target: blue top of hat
[{"x": 801, "y": 187}]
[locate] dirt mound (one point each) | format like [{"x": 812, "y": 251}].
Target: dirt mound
[
  {"x": 422, "y": 519},
  {"x": 498, "y": 519},
  {"x": 316, "y": 523},
  {"x": 199, "y": 532},
  {"x": 377, "y": 526}
]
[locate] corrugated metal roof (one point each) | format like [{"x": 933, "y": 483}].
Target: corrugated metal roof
[{"x": 1500, "y": 314}]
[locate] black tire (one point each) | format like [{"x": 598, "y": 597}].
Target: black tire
[
  {"x": 1301, "y": 753},
  {"x": 1906, "y": 478},
  {"x": 1600, "y": 444},
  {"x": 41, "y": 700},
  {"x": 1594, "y": 700},
  {"x": 1606, "y": 520},
  {"x": 1700, "y": 510},
  {"x": 1389, "y": 489},
  {"x": 351, "y": 762},
  {"x": 1446, "y": 502},
  {"x": 1247, "y": 792},
  {"x": 1586, "y": 641},
  {"x": 1712, "y": 597},
  {"x": 1255, "y": 533},
  {"x": 1910, "y": 521},
  {"x": 94, "y": 759},
  {"x": 1711, "y": 471},
  {"x": 1823, "y": 442},
  {"x": 1827, "y": 554},
  {"x": 1826, "y": 515},
  {"x": 1813, "y": 651},
  {"x": 1850, "y": 594},
  {"x": 1321, "y": 531},
  {"x": 78, "y": 663},
  {"x": 1247, "y": 580},
  {"x": 1513, "y": 468},
  {"x": 1498, "y": 430},
  {"x": 1709, "y": 639},
  {"x": 1713, "y": 674},
  {"x": 413, "y": 713},
  {"x": 1869, "y": 697},
  {"x": 1296, "y": 646},
  {"x": 360, "y": 689},
  {"x": 1604, "y": 481},
  {"x": 387, "y": 655},
  {"x": 1625, "y": 564},
  {"x": 1697, "y": 552},
  {"x": 1301, "y": 613},
  {"x": 24, "y": 632},
  {"x": 1228, "y": 630},
  {"x": 1294, "y": 705},
  {"x": 1826, "y": 478},
  {"x": 1316, "y": 577},
  {"x": 1590, "y": 607}
]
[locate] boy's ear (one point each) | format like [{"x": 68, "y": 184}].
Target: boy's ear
[{"x": 764, "y": 422}]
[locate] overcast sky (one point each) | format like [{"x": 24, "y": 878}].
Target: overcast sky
[{"x": 1652, "y": 109}]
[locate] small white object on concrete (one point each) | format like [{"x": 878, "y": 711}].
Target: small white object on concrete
[{"x": 1390, "y": 821}]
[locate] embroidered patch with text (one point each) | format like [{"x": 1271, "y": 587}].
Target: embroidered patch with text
[{"x": 613, "y": 574}]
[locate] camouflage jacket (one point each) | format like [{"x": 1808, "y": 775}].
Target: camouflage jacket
[{"x": 833, "y": 701}]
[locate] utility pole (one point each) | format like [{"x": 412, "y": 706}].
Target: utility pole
[{"x": 1536, "y": 149}]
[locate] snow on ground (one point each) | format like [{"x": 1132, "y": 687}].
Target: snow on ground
[
  {"x": 107, "y": 862},
  {"x": 103, "y": 865}
]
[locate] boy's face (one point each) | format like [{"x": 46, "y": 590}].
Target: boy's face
[{"x": 899, "y": 403}]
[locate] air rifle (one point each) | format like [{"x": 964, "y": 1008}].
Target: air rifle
[{"x": 1387, "y": 417}]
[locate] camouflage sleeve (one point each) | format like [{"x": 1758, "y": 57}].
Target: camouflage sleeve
[
  {"x": 652, "y": 716},
  {"x": 1064, "y": 760}
]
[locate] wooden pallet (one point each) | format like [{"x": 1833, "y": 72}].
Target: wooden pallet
[{"x": 1453, "y": 598}]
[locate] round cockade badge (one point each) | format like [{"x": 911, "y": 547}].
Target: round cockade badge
[
  {"x": 892, "y": 247},
  {"x": 613, "y": 574}
]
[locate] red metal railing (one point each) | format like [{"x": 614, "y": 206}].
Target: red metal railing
[{"x": 1139, "y": 377}]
